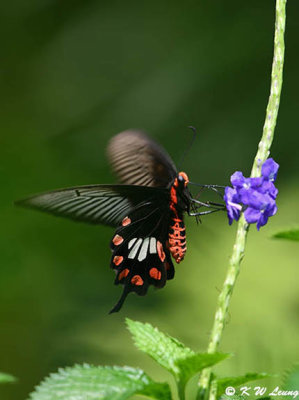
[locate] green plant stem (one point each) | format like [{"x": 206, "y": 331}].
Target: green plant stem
[
  {"x": 276, "y": 85},
  {"x": 181, "y": 390},
  {"x": 213, "y": 391},
  {"x": 261, "y": 155}
]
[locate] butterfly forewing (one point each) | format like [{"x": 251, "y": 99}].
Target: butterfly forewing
[
  {"x": 95, "y": 204},
  {"x": 138, "y": 160}
]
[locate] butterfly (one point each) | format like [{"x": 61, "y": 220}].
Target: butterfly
[{"x": 147, "y": 210}]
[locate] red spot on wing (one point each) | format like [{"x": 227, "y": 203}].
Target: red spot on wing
[
  {"x": 118, "y": 260},
  {"x": 123, "y": 274},
  {"x": 155, "y": 273},
  {"x": 117, "y": 240},
  {"x": 137, "y": 280},
  {"x": 160, "y": 250},
  {"x": 126, "y": 221}
]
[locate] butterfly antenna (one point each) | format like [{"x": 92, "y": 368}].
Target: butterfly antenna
[{"x": 189, "y": 146}]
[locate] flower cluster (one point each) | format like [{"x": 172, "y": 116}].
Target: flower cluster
[{"x": 255, "y": 196}]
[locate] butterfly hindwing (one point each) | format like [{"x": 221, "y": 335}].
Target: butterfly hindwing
[{"x": 140, "y": 257}]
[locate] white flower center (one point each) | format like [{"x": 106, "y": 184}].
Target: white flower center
[{"x": 235, "y": 205}]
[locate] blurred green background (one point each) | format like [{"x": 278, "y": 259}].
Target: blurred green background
[{"x": 73, "y": 74}]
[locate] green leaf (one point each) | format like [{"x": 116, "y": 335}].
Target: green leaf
[
  {"x": 237, "y": 397},
  {"x": 235, "y": 381},
  {"x": 290, "y": 234},
  {"x": 191, "y": 365},
  {"x": 169, "y": 352},
  {"x": 162, "y": 348},
  {"x": 84, "y": 382},
  {"x": 264, "y": 398},
  {"x": 6, "y": 378},
  {"x": 291, "y": 380}
]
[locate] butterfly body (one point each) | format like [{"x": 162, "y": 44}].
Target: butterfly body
[{"x": 179, "y": 202}]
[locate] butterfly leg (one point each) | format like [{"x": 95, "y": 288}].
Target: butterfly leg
[
  {"x": 203, "y": 212},
  {"x": 208, "y": 204},
  {"x": 207, "y": 186}
]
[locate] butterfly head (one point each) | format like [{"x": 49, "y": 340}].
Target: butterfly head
[
  {"x": 181, "y": 181},
  {"x": 179, "y": 192}
]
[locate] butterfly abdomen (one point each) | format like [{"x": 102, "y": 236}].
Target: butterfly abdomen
[
  {"x": 177, "y": 239},
  {"x": 177, "y": 231}
]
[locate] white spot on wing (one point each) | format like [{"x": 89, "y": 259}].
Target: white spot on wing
[
  {"x": 153, "y": 246},
  {"x": 133, "y": 252},
  {"x": 131, "y": 242},
  {"x": 143, "y": 250}
]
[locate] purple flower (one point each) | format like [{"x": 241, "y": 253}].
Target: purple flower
[
  {"x": 269, "y": 187},
  {"x": 255, "y": 196},
  {"x": 233, "y": 207},
  {"x": 264, "y": 208},
  {"x": 269, "y": 169},
  {"x": 239, "y": 181}
]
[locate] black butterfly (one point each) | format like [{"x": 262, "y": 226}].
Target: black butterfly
[{"x": 147, "y": 211}]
